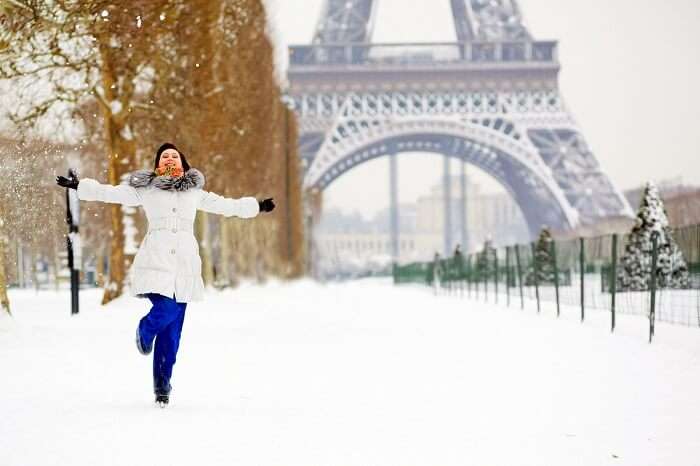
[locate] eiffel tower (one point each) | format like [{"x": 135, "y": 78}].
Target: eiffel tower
[{"x": 491, "y": 99}]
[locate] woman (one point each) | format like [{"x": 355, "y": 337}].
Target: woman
[{"x": 167, "y": 268}]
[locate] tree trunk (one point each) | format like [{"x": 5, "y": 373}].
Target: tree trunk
[
  {"x": 261, "y": 241},
  {"x": 4, "y": 300},
  {"x": 205, "y": 247},
  {"x": 224, "y": 277},
  {"x": 114, "y": 286},
  {"x": 239, "y": 253},
  {"x": 35, "y": 277},
  {"x": 121, "y": 153},
  {"x": 295, "y": 199},
  {"x": 121, "y": 159},
  {"x": 56, "y": 265},
  {"x": 100, "y": 268}
]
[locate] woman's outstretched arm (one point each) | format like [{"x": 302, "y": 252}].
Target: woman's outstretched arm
[
  {"x": 244, "y": 207},
  {"x": 91, "y": 190}
]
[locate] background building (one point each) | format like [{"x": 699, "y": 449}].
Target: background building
[{"x": 350, "y": 240}]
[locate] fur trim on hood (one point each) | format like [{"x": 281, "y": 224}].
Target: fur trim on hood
[{"x": 192, "y": 178}]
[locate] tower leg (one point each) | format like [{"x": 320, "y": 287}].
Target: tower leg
[
  {"x": 394, "y": 212},
  {"x": 447, "y": 194},
  {"x": 463, "y": 206}
]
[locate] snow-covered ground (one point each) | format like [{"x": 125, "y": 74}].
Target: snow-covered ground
[{"x": 362, "y": 373}]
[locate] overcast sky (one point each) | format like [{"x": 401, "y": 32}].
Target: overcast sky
[{"x": 630, "y": 74}]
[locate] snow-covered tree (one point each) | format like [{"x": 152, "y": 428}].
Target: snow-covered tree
[
  {"x": 131, "y": 74},
  {"x": 485, "y": 260},
  {"x": 66, "y": 56},
  {"x": 543, "y": 261},
  {"x": 635, "y": 264}
]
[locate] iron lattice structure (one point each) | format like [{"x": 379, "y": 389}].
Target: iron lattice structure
[{"x": 491, "y": 99}]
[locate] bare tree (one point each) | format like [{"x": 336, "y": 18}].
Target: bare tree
[
  {"x": 196, "y": 72},
  {"x": 62, "y": 54}
]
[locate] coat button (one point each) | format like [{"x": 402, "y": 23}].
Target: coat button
[
  {"x": 172, "y": 251},
  {"x": 174, "y": 209}
]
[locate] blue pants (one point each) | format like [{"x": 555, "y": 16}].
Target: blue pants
[{"x": 164, "y": 324}]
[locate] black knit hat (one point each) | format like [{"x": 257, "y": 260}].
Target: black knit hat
[{"x": 167, "y": 145}]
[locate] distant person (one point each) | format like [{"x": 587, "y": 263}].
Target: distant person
[
  {"x": 458, "y": 263},
  {"x": 167, "y": 268},
  {"x": 437, "y": 270}
]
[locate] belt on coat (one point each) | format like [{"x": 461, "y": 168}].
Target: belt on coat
[{"x": 173, "y": 224}]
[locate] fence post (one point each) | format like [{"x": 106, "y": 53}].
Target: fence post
[
  {"x": 495, "y": 273},
  {"x": 477, "y": 278},
  {"x": 469, "y": 275},
  {"x": 583, "y": 271},
  {"x": 486, "y": 275},
  {"x": 536, "y": 271},
  {"x": 433, "y": 280},
  {"x": 461, "y": 277},
  {"x": 613, "y": 279},
  {"x": 654, "y": 257},
  {"x": 508, "y": 276},
  {"x": 556, "y": 273},
  {"x": 448, "y": 275},
  {"x": 520, "y": 275},
  {"x": 445, "y": 276}
]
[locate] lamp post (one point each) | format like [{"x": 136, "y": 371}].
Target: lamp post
[{"x": 73, "y": 242}]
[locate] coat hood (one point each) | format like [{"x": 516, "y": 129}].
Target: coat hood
[{"x": 192, "y": 178}]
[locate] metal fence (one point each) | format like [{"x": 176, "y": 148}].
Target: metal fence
[{"x": 581, "y": 273}]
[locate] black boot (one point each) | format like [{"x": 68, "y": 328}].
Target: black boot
[{"x": 162, "y": 400}]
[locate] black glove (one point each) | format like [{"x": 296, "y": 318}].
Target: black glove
[
  {"x": 71, "y": 182},
  {"x": 267, "y": 205}
]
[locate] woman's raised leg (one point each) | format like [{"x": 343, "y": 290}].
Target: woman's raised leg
[
  {"x": 163, "y": 312},
  {"x": 165, "y": 352}
]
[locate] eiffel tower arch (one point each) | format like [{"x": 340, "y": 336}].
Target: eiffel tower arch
[{"x": 491, "y": 99}]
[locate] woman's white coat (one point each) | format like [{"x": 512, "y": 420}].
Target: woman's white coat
[{"x": 167, "y": 261}]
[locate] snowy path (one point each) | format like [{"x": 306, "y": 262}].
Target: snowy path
[{"x": 354, "y": 374}]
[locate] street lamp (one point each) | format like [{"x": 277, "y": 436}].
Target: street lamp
[{"x": 73, "y": 241}]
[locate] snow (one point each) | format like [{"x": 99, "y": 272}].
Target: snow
[
  {"x": 126, "y": 133},
  {"x": 115, "y": 106},
  {"x": 356, "y": 373}
]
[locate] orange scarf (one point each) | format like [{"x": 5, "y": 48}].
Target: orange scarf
[{"x": 169, "y": 170}]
